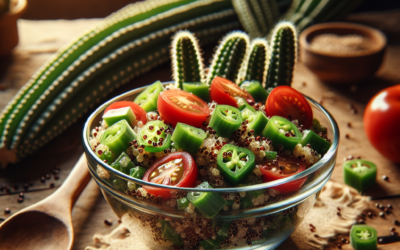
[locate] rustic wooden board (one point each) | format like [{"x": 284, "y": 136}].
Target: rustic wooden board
[{"x": 39, "y": 39}]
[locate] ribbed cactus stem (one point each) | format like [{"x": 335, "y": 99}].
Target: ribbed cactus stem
[
  {"x": 187, "y": 62},
  {"x": 258, "y": 17},
  {"x": 229, "y": 56},
  {"x": 283, "y": 49},
  {"x": 256, "y": 62}
]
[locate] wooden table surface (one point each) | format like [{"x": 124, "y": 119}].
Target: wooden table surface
[{"x": 40, "y": 39}]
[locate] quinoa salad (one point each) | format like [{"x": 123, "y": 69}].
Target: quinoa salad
[{"x": 218, "y": 136}]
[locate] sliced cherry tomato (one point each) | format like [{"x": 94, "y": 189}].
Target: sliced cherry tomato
[
  {"x": 176, "y": 169},
  {"x": 381, "y": 122},
  {"x": 287, "y": 102},
  {"x": 283, "y": 167},
  {"x": 139, "y": 112},
  {"x": 180, "y": 106},
  {"x": 224, "y": 91}
]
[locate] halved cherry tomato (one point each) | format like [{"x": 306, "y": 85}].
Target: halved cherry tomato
[
  {"x": 180, "y": 106},
  {"x": 283, "y": 167},
  {"x": 176, "y": 169},
  {"x": 287, "y": 102},
  {"x": 223, "y": 91},
  {"x": 381, "y": 122},
  {"x": 139, "y": 112}
]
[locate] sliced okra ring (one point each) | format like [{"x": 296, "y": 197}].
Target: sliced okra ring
[
  {"x": 154, "y": 137},
  {"x": 235, "y": 163},
  {"x": 256, "y": 120},
  {"x": 359, "y": 174},
  {"x": 225, "y": 120},
  {"x": 363, "y": 237},
  {"x": 188, "y": 138},
  {"x": 137, "y": 172},
  {"x": 118, "y": 136},
  {"x": 256, "y": 90},
  {"x": 243, "y": 104},
  {"x": 283, "y": 134},
  {"x": 182, "y": 203},
  {"x": 123, "y": 163},
  {"x": 148, "y": 98}
]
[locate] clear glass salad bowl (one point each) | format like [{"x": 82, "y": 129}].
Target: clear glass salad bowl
[{"x": 159, "y": 224}]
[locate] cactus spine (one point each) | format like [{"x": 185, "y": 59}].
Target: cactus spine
[
  {"x": 229, "y": 56},
  {"x": 256, "y": 62},
  {"x": 283, "y": 49},
  {"x": 187, "y": 62}
]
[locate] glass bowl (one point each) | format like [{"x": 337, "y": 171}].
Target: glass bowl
[{"x": 160, "y": 224}]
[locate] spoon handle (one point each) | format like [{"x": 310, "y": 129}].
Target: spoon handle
[{"x": 73, "y": 186}]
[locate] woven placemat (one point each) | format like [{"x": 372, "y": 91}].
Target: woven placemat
[{"x": 323, "y": 216}]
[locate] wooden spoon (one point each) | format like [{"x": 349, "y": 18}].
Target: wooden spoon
[{"x": 48, "y": 223}]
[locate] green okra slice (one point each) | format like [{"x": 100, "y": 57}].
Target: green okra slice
[
  {"x": 363, "y": 237},
  {"x": 118, "y": 136},
  {"x": 153, "y": 135},
  {"x": 137, "y": 172},
  {"x": 199, "y": 89},
  {"x": 359, "y": 174},
  {"x": 256, "y": 90},
  {"x": 225, "y": 120},
  {"x": 115, "y": 115},
  {"x": 257, "y": 121},
  {"x": 147, "y": 99},
  {"x": 123, "y": 163},
  {"x": 188, "y": 138},
  {"x": 182, "y": 203},
  {"x": 243, "y": 104},
  {"x": 207, "y": 203},
  {"x": 235, "y": 163},
  {"x": 283, "y": 134},
  {"x": 317, "y": 143}
]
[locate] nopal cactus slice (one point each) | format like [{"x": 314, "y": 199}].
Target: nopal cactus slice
[
  {"x": 283, "y": 49},
  {"x": 229, "y": 57},
  {"x": 256, "y": 62},
  {"x": 187, "y": 62}
]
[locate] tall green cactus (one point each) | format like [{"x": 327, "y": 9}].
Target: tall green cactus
[
  {"x": 304, "y": 13},
  {"x": 256, "y": 62},
  {"x": 229, "y": 57},
  {"x": 283, "y": 49},
  {"x": 258, "y": 17},
  {"x": 187, "y": 62},
  {"x": 57, "y": 89}
]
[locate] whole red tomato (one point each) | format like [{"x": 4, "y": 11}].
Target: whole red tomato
[{"x": 382, "y": 122}]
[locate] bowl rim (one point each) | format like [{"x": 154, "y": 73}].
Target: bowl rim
[
  {"x": 321, "y": 163},
  {"x": 376, "y": 48}
]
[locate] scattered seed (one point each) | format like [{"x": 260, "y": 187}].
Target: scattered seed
[
  {"x": 51, "y": 185},
  {"x": 385, "y": 178},
  {"x": 21, "y": 195},
  {"x": 347, "y": 136},
  {"x": 396, "y": 222},
  {"x": 7, "y": 211},
  {"x": 382, "y": 214},
  {"x": 20, "y": 200},
  {"x": 349, "y": 124},
  {"x": 42, "y": 179},
  {"x": 47, "y": 176},
  {"x": 392, "y": 229},
  {"x": 108, "y": 222}
]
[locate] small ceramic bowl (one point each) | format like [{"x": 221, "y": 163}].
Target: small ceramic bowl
[{"x": 340, "y": 68}]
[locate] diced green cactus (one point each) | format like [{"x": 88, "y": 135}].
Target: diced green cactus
[
  {"x": 256, "y": 62},
  {"x": 283, "y": 49},
  {"x": 229, "y": 57},
  {"x": 258, "y": 17},
  {"x": 187, "y": 62}
]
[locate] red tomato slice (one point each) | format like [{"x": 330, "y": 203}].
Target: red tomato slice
[
  {"x": 223, "y": 91},
  {"x": 283, "y": 167},
  {"x": 287, "y": 102},
  {"x": 180, "y": 106},
  {"x": 176, "y": 169},
  {"x": 139, "y": 112},
  {"x": 381, "y": 122}
]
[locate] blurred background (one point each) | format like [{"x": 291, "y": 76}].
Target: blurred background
[{"x": 73, "y": 9}]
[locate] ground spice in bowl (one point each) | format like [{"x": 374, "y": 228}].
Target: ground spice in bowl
[{"x": 351, "y": 44}]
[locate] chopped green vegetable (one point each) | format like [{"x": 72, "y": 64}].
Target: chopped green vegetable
[
  {"x": 243, "y": 104},
  {"x": 199, "y": 89},
  {"x": 270, "y": 155},
  {"x": 118, "y": 136},
  {"x": 225, "y": 120},
  {"x": 256, "y": 90},
  {"x": 106, "y": 156},
  {"x": 115, "y": 115},
  {"x": 153, "y": 136},
  {"x": 363, "y": 237},
  {"x": 282, "y": 133},
  {"x": 168, "y": 233},
  {"x": 359, "y": 174},
  {"x": 137, "y": 172},
  {"x": 317, "y": 143},
  {"x": 148, "y": 98},
  {"x": 209, "y": 204},
  {"x": 256, "y": 120},
  {"x": 188, "y": 138},
  {"x": 235, "y": 163},
  {"x": 182, "y": 203},
  {"x": 123, "y": 163}
]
